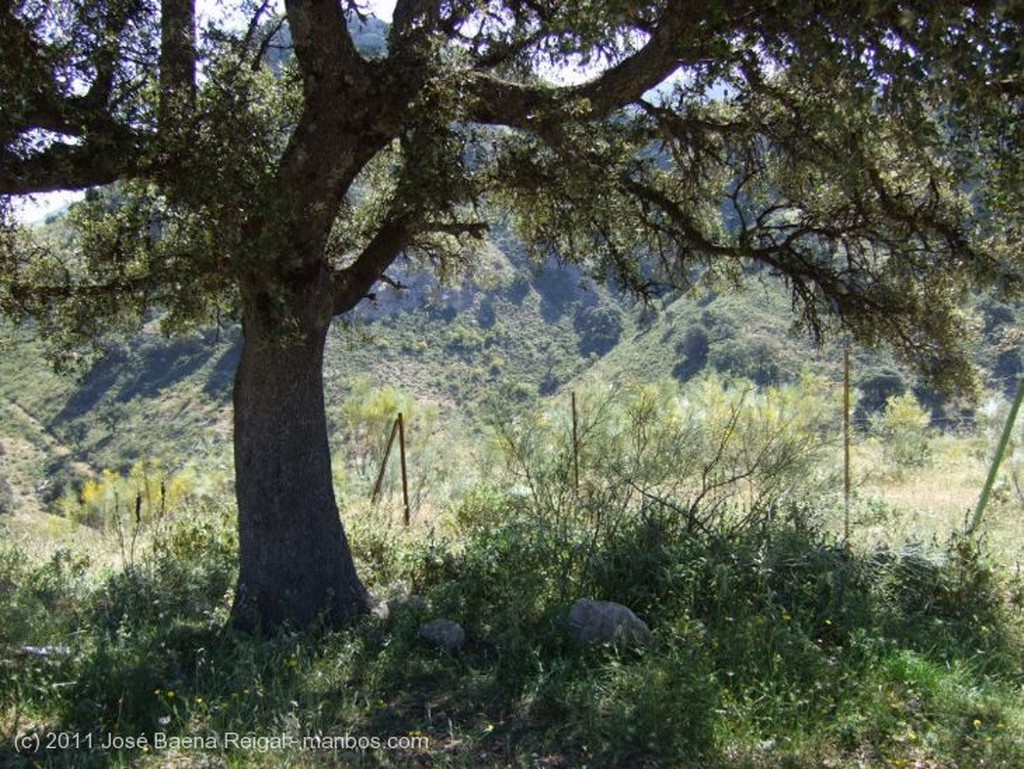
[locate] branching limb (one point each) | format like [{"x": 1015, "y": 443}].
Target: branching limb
[
  {"x": 69, "y": 167},
  {"x": 672, "y": 45},
  {"x": 177, "y": 62}
]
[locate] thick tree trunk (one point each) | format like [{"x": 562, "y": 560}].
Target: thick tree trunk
[{"x": 295, "y": 564}]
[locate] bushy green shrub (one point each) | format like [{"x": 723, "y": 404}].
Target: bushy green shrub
[
  {"x": 512, "y": 567},
  {"x": 904, "y": 427},
  {"x": 39, "y": 602},
  {"x": 718, "y": 453},
  {"x": 365, "y": 424},
  {"x": 875, "y": 386}
]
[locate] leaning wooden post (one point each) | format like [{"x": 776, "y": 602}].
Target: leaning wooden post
[
  {"x": 384, "y": 463},
  {"x": 405, "y": 475},
  {"x": 993, "y": 471}
]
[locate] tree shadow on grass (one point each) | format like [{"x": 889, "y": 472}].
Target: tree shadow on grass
[{"x": 755, "y": 637}]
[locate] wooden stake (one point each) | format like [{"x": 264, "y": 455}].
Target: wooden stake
[
  {"x": 575, "y": 446},
  {"x": 405, "y": 475},
  {"x": 846, "y": 444},
  {"x": 384, "y": 462},
  {"x": 993, "y": 471}
]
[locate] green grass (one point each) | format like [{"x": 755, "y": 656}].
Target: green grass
[{"x": 773, "y": 647}]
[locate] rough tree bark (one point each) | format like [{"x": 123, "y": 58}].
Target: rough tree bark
[{"x": 295, "y": 564}]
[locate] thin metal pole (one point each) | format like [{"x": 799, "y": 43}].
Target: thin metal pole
[
  {"x": 993, "y": 471},
  {"x": 405, "y": 474}
]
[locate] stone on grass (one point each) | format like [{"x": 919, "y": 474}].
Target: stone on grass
[
  {"x": 444, "y": 634},
  {"x": 381, "y": 609},
  {"x": 384, "y": 610},
  {"x": 600, "y": 622},
  {"x": 45, "y": 652}
]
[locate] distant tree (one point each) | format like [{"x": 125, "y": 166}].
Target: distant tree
[
  {"x": 875, "y": 387},
  {"x": 486, "y": 313},
  {"x": 756, "y": 357},
  {"x": 599, "y": 327},
  {"x": 693, "y": 350},
  {"x": 846, "y": 147}
]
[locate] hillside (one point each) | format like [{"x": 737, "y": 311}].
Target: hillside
[{"x": 506, "y": 329}]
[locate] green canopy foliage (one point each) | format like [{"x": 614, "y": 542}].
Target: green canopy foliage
[{"x": 867, "y": 154}]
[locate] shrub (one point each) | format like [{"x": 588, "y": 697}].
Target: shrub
[
  {"x": 753, "y": 357},
  {"x": 39, "y": 602},
  {"x": 6, "y": 496},
  {"x": 717, "y": 454},
  {"x": 875, "y": 386},
  {"x": 904, "y": 429}
]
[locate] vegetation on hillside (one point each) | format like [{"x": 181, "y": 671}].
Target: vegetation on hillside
[
  {"x": 774, "y": 642},
  {"x": 507, "y": 327}
]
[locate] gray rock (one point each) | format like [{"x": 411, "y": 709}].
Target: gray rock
[
  {"x": 598, "y": 622},
  {"x": 444, "y": 634},
  {"x": 384, "y": 610},
  {"x": 381, "y": 610},
  {"x": 45, "y": 652}
]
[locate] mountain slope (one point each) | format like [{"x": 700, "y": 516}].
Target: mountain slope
[{"x": 507, "y": 329}]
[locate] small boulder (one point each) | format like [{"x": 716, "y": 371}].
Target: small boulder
[
  {"x": 598, "y": 622},
  {"x": 444, "y": 634},
  {"x": 384, "y": 610},
  {"x": 45, "y": 652},
  {"x": 380, "y": 609}
]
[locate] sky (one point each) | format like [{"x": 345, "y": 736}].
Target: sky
[{"x": 382, "y": 9}]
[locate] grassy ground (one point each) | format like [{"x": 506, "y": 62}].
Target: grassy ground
[
  {"x": 931, "y": 502},
  {"x": 772, "y": 646},
  {"x": 774, "y": 642}
]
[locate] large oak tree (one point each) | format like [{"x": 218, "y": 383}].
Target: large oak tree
[{"x": 865, "y": 153}]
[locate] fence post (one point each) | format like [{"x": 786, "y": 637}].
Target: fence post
[
  {"x": 401, "y": 454},
  {"x": 575, "y": 447},
  {"x": 846, "y": 444}
]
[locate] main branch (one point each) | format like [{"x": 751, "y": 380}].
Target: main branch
[{"x": 680, "y": 39}]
